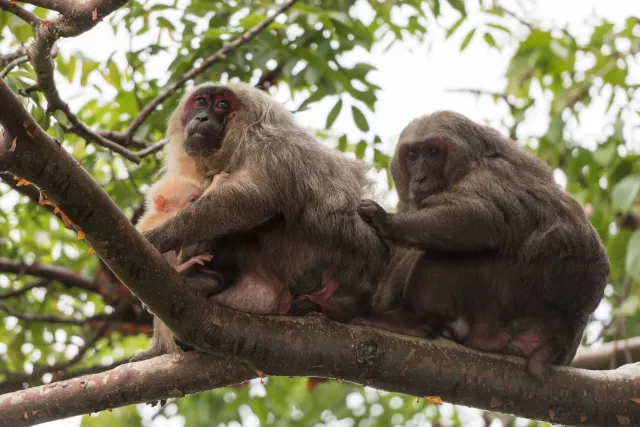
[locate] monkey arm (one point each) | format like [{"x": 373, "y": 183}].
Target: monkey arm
[
  {"x": 453, "y": 222},
  {"x": 236, "y": 206}
]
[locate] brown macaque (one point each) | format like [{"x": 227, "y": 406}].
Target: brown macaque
[
  {"x": 491, "y": 251},
  {"x": 286, "y": 218}
]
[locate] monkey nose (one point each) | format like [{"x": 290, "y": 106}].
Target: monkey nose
[{"x": 202, "y": 117}]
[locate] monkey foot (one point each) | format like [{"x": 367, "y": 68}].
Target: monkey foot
[{"x": 199, "y": 259}]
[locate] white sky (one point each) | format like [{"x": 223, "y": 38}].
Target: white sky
[{"x": 414, "y": 79}]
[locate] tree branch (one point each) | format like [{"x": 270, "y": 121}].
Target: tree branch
[
  {"x": 140, "y": 382},
  {"x": 573, "y": 396},
  {"x": 121, "y": 138},
  {"x": 51, "y": 272},
  {"x": 19, "y": 11},
  {"x": 40, "y": 53},
  {"x": 42, "y": 283},
  {"x": 600, "y": 358},
  {"x": 55, "y": 319},
  {"x": 208, "y": 62},
  {"x": 362, "y": 355},
  {"x": 5, "y": 59},
  {"x": 11, "y": 65}
]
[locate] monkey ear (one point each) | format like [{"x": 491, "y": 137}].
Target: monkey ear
[{"x": 159, "y": 203}]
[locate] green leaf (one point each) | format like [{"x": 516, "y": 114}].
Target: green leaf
[
  {"x": 625, "y": 192},
  {"x": 489, "y": 39},
  {"x": 632, "y": 264},
  {"x": 499, "y": 27},
  {"x": 629, "y": 307},
  {"x": 359, "y": 118},
  {"x": 58, "y": 132},
  {"x": 360, "y": 149},
  {"x": 333, "y": 114},
  {"x": 467, "y": 40},
  {"x": 454, "y": 27},
  {"x": 605, "y": 154},
  {"x": 342, "y": 143},
  {"x": 459, "y": 6}
]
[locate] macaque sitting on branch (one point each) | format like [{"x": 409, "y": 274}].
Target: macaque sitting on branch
[
  {"x": 491, "y": 250},
  {"x": 287, "y": 217}
]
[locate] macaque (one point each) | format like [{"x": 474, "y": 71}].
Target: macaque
[
  {"x": 287, "y": 217},
  {"x": 491, "y": 251}
]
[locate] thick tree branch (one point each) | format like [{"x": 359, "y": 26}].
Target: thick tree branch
[
  {"x": 59, "y": 274},
  {"x": 434, "y": 368},
  {"x": 358, "y": 354},
  {"x": 141, "y": 382},
  {"x": 208, "y": 62},
  {"x": 22, "y": 13},
  {"x": 600, "y": 358}
]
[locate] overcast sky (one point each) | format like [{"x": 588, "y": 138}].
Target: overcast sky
[{"x": 415, "y": 79}]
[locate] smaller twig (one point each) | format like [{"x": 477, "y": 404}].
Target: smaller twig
[
  {"x": 54, "y": 319},
  {"x": 515, "y": 16},
  {"x": 5, "y": 59},
  {"x": 121, "y": 138},
  {"x": 19, "y": 11},
  {"x": 42, "y": 283},
  {"x": 11, "y": 65},
  {"x": 208, "y": 62},
  {"x": 153, "y": 148},
  {"x": 49, "y": 272}
]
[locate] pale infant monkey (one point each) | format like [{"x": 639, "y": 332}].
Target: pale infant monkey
[
  {"x": 173, "y": 193},
  {"x": 168, "y": 196}
]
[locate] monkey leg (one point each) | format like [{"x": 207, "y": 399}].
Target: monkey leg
[
  {"x": 206, "y": 281},
  {"x": 396, "y": 321}
]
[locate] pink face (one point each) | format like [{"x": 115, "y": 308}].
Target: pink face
[{"x": 203, "y": 118}]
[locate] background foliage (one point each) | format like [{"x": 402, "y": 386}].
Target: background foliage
[{"x": 53, "y": 328}]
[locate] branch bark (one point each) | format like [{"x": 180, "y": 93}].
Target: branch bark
[
  {"x": 358, "y": 354},
  {"x": 211, "y": 60},
  {"x": 22, "y": 13},
  {"x": 434, "y": 368}
]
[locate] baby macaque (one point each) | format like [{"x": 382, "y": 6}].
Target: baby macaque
[{"x": 167, "y": 197}]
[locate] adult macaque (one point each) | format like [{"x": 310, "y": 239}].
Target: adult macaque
[
  {"x": 494, "y": 253},
  {"x": 287, "y": 216}
]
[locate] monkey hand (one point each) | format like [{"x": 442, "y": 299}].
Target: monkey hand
[{"x": 375, "y": 215}]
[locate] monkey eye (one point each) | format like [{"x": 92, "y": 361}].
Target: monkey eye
[
  {"x": 200, "y": 102},
  {"x": 223, "y": 105},
  {"x": 412, "y": 154},
  {"x": 433, "y": 151}
]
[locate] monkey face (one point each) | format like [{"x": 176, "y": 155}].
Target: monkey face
[
  {"x": 203, "y": 119},
  {"x": 423, "y": 165}
]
